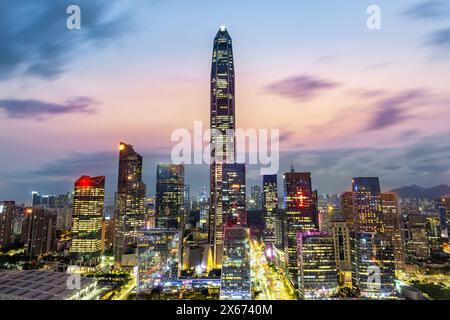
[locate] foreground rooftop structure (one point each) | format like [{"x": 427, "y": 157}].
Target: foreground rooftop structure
[{"x": 43, "y": 285}]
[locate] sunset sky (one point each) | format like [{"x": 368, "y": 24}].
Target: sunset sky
[{"x": 348, "y": 101}]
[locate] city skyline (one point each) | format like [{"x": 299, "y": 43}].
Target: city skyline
[
  {"x": 330, "y": 227},
  {"x": 392, "y": 130}
]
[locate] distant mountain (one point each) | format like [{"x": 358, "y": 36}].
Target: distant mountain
[{"x": 421, "y": 192}]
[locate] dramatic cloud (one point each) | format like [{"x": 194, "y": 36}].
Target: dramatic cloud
[
  {"x": 426, "y": 163},
  {"x": 440, "y": 39},
  {"x": 391, "y": 111},
  {"x": 34, "y": 38},
  {"x": 429, "y": 10},
  {"x": 39, "y": 110},
  {"x": 303, "y": 87}
]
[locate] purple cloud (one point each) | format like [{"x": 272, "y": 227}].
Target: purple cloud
[
  {"x": 440, "y": 39},
  {"x": 390, "y": 111},
  {"x": 303, "y": 87},
  {"x": 35, "y": 41},
  {"x": 428, "y": 10},
  {"x": 39, "y": 110}
]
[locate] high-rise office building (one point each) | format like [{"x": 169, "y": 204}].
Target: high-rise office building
[
  {"x": 417, "y": 244},
  {"x": 169, "y": 196},
  {"x": 443, "y": 208},
  {"x": 342, "y": 251},
  {"x": 222, "y": 120},
  {"x": 301, "y": 216},
  {"x": 270, "y": 207},
  {"x": 187, "y": 197},
  {"x": 60, "y": 205},
  {"x": 88, "y": 204},
  {"x": 434, "y": 233},
  {"x": 347, "y": 207},
  {"x": 234, "y": 194},
  {"x": 129, "y": 217},
  {"x": 367, "y": 211},
  {"x": 391, "y": 226},
  {"x": 373, "y": 261},
  {"x": 373, "y": 264},
  {"x": 150, "y": 218},
  {"x": 255, "y": 201},
  {"x": 39, "y": 227},
  {"x": 235, "y": 277},
  {"x": 7, "y": 216},
  {"x": 317, "y": 277},
  {"x": 280, "y": 226}
]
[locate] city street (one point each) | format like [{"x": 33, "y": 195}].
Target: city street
[{"x": 271, "y": 284}]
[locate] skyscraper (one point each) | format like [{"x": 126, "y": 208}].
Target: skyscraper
[
  {"x": 169, "y": 196},
  {"x": 373, "y": 264},
  {"x": 222, "y": 120},
  {"x": 234, "y": 194},
  {"x": 367, "y": 211},
  {"x": 443, "y": 208},
  {"x": 40, "y": 228},
  {"x": 341, "y": 235},
  {"x": 88, "y": 203},
  {"x": 7, "y": 215},
  {"x": 373, "y": 261},
  {"x": 270, "y": 206},
  {"x": 129, "y": 217},
  {"x": 235, "y": 277},
  {"x": 417, "y": 244},
  {"x": 347, "y": 207},
  {"x": 301, "y": 216},
  {"x": 391, "y": 226},
  {"x": 317, "y": 278},
  {"x": 255, "y": 202}
]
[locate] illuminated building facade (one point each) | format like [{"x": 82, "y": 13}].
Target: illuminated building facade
[
  {"x": 270, "y": 206},
  {"x": 150, "y": 222},
  {"x": 158, "y": 258},
  {"x": 234, "y": 194},
  {"x": 317, "y": 278},
  {"x": 88, "y": 204},
  {"x": 255, "y": 201},
  {"x": 301, "y": 216},
  {"x": 169, "y": 196},
  {"x": 367, "y": 211},
  {"x": 222, "y": 120},
  {"x": 373, "y": 264},
  {"x": 417, "y": 245},
  {"x": 347, "y": 207},
  {"x": 7, "y": 216},
  {"x": 129, "y": 217},
  {"x": 342, "y": 251},
  {"x": 443, "y": 207},
  {"x": 434, "y": 233},
  {"x": 235, "y": 277},
  {"x": 391, "y": 226}
]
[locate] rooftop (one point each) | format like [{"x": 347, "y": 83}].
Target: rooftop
[{"x": 39, "y": 285}]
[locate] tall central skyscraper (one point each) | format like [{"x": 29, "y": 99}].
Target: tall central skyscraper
[
  {"x": 222, "y": 119},
  {"x": 130, "y": 202}
]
